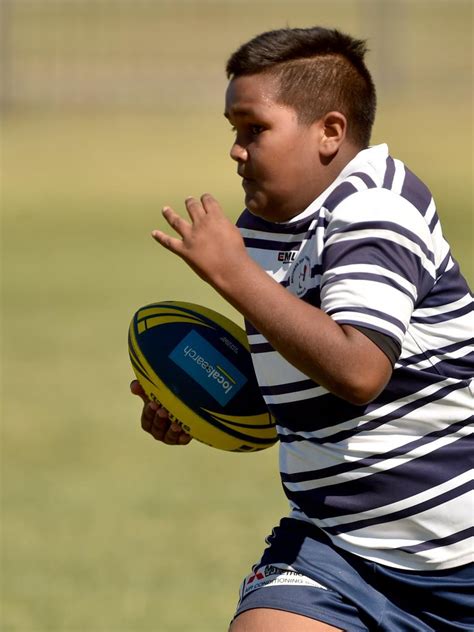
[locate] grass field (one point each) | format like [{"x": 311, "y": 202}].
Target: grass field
[{"x": 104, "y": 530}]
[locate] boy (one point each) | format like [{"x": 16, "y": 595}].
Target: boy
[{"x": 359, "y": 323}]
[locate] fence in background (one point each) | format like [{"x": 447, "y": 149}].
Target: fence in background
[{"x": 147, "y": 53}]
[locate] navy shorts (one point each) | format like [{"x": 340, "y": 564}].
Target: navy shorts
[{"x": 302, "y": 572}]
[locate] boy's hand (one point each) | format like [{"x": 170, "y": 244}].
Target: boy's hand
[
  {"x": 210, "y": 243},
  {"x": 156, "y": 422}
]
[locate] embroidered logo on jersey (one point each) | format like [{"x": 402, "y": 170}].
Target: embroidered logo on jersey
[
  {"x": 286, "y": 256},
  {"x": 276, "y": 575},
  {"x": 300, "y": 277}
]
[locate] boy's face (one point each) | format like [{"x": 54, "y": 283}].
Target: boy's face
[{"x": 277, "y": 157}]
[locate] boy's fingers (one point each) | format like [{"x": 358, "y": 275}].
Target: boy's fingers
[
  {"x": 209, "y": 203},
  {"x": 162, "y": 412},
  {"x": 158, "y": 428},
  {"x": 168, "y": 432},
  {"x": 171, "y": 436},
  {"x": 137, "y": 389},
  {"x": 168, "y": 242},
  {"x": 184, "y": 438},
  {"x": 195, "y": 208},
  {"x": 176, "y": 435},
  {"x": 177, "y": 223},
  {"x": 148, "y": 417},
  {"x": 162, "y": 429}
]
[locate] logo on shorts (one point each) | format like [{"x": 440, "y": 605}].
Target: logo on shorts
[{"x": 276, "y": 575}]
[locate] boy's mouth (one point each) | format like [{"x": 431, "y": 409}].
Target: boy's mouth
[
  {"x": 243, "y": 173},
  {"x": 248, "y": 183},
  {"x": 245, "y": 177}
]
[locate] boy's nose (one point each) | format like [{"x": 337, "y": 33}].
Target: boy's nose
[{"x": 238, "y": 153}]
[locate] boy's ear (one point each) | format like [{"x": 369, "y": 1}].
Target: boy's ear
[{"x": 333, "y": 132}]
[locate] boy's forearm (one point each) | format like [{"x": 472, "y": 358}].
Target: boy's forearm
[{"x": 340, "y": 358}]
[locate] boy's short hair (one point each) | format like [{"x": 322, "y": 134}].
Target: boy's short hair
[{"x": 319, "y": 70}]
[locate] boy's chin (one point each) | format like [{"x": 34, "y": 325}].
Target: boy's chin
[
  {"x": 266, "y": 211},
  {"x": 258, "y": 212},
  {"x": 259, "y": 208}
]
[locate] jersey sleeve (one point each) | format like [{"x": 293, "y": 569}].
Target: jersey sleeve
[
  {"x": 377, "y": 262},
  {"x": 388, "y": 345}
]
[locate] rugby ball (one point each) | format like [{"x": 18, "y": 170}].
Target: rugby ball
[{"x": 197, "y": 364}]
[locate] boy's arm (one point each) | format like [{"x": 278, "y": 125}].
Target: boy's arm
[{"x": 338, "y": 357}]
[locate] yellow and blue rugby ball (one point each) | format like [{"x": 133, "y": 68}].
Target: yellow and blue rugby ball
[{"x": 197, "y": 364}]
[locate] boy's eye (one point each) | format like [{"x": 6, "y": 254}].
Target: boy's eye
[{"x": 253, "y": 129}]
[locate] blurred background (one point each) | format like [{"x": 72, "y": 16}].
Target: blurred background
[{"x": 111, "y": 109}]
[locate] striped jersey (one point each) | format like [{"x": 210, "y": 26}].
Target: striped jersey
[{"x": 389, "y": 481}]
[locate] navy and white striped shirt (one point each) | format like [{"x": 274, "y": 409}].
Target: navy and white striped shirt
[{"x": 391, "y": 480}]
